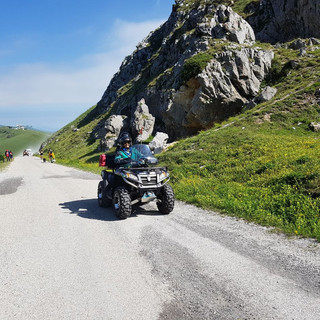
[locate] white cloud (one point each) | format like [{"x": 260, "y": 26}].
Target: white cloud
[
  {"x": 39, "y": 84},
  {"x": 31, "y": 91},
  {"x": 131, "y": 33},
  {"x": 84, "y": 82}
]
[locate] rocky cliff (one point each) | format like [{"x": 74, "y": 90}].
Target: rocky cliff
[
  {"x": 203, "y": 64},
  {"x": 284, "y": 20}
]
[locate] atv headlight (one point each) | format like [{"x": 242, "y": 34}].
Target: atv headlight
[
  {"x": 163, "y": 175},
  {"x": 130, "y": 176}
]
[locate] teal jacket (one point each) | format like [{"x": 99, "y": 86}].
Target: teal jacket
[{"x": 123, "y": 156}]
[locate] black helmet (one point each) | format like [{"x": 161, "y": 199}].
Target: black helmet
[{"x": 125, "y": 137}]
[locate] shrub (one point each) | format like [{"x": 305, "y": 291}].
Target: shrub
[
  {"x": 194, "y": 65},
  {"x": 278, "y": 71}
]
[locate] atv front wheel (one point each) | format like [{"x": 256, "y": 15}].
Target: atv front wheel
[
  {"x": 103, "y": 201},
  {"x": 122, "y": 203},
  {"x": 165, "y": 202}
]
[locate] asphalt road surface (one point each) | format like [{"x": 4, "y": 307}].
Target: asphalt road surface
[{"x": 63, "y": 257}]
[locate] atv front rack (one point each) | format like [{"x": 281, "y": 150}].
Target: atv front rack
[{"x": 144, "y": 178}]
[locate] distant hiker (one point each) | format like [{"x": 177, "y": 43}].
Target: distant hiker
[
  {"x": 7, "y": 155},
  {"x": 11, "y": 155},
  {"x": 41, "y": 154},
  {"x": 51, "y": 156}
]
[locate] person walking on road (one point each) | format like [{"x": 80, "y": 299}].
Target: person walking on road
[{"x": 51, "y": 156}]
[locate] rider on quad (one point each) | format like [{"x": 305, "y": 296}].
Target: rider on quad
[
  {"x": 134, "y": 179},
  {"x": 125, "y": 153}
]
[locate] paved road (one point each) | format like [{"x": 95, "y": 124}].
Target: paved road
[{"x": 63, "y": 257}]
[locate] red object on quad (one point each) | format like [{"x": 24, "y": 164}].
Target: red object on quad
[{"x": 103, "y": 160}]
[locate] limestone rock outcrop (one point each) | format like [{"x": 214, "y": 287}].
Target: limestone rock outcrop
[
  {"x": 212, "y": 90},
  {"x": 314, "y": 126},
  {"x": 111, "y": 130},
  {"x": 142, "y": 122},
  {"x": 219, "y": 91},
  {"x": 284, "y": 20},
  {"x": 231, "y": 76}
]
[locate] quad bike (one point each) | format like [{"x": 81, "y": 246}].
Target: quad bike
[{"x": 135, "y": 183}]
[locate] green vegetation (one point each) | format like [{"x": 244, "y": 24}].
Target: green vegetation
[
  {"x": 258, "y": 172},
  {"x": 237, "y": 5},
  {"x": 262, "y": 165},
  {"x": 74, "y": 145},
  {"x": 2, "y": 163},
  {"x": 194, "y": 65},
  {"x": 18, "y": 140}
]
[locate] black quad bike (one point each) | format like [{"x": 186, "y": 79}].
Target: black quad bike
[{"x": 137, "y": 182}]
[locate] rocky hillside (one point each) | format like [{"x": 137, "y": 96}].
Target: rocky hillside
[
  {"x": 200, "y": 67},
  {"x": 203, "y": 65},
  {"x": 260, "y": 101}
]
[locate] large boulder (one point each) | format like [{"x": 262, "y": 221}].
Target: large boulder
[
  {"x": 228, "y": 25},
  {"x": 112, "y": 128},
  {"x": 314, "y": 126},
  {"x": 142, "y": 122},
  {"x": 267, "y": 94},
  {"x": 221, "y": 90},
  {"x": 159, "y": 142}
]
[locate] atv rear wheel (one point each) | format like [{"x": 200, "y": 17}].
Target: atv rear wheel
[
  {"x": 103, "y": 201},
  {"x": 165, "y": 202},
  {"x": 122, "y": 203}
]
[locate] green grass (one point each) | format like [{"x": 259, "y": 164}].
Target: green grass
[
  {"x": 18, "y": 140},
  {"x": 267, "y": 176},
  {"x": 78, "y": 148},
  {"x": 2, "y": 165},
  {"x": 194, "y": 65},
  {"x": 263, "y": 167}
]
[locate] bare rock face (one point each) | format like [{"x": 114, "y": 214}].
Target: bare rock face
[
  {"x": 159, "y": 142},
  {"x": 111, "y": 131},
  {"x": 221, "y": 90},
  {"x": 284, "y": 20},
  {"x": 228, "y": 25},
  {"x": 152, "y": 75},
  {"x": 143, "y": 122}
]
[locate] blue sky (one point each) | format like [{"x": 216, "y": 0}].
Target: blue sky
[{"x": 58, "y": 56}]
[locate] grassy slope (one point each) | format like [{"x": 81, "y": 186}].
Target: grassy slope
[
  {"x": 264, "y": 166},
  {"x": 77, "y": 148},
  {"x": 18, "y": 140}
]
